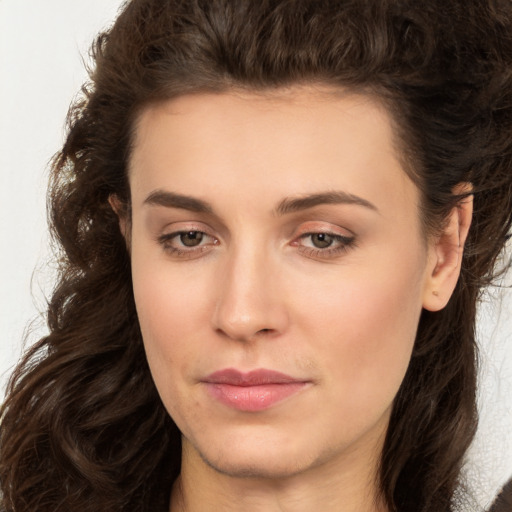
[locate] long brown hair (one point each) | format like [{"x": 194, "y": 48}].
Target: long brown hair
[{"x": 83, "y": 428}]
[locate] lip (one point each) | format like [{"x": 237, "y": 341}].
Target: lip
[{"x": 253, "y": 391}]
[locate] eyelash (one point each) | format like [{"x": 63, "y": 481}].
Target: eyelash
[
  {"x": 344, "y": 244},
  {"x": 166, "y": 239}
]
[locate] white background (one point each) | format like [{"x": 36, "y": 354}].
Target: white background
[{"x": 42, "y": 47}]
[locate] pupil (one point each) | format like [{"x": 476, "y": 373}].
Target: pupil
[
  {"x": 322, "y": 240},
  {"x": 191, "y": 239}
]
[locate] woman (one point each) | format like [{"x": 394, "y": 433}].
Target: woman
[{"x": 276, "y": 218}]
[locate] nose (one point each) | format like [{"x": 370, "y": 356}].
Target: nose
[{"x": 250, "y": 299}]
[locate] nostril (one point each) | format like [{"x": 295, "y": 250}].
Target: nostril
[{"x": 240, "y": 336}]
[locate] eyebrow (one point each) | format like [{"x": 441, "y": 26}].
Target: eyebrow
[
  {"x": 290, "y": 205},
  {"x": 286, "y": 206},
  {"x": 173, "y": 200}
]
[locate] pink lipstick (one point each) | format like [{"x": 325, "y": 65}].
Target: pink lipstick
[{"x": 253, "y": 391}]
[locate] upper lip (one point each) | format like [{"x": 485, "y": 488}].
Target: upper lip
[{"x": 258, "y": 377}]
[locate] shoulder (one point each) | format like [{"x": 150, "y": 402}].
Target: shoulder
[{"x": 503, "y": 503}]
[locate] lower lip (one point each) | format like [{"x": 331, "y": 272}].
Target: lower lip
[{"x": 253, "y": 398}]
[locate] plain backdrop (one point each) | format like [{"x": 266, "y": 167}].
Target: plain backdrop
[{"x": 43, "y": 46}]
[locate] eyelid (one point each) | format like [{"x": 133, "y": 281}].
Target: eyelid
[
  {"x": 342, "y": 245},
  {"x": 175, "y": 234},
  {"x": 172, "y": 231},
  {"x": 309, "y": 228},
  {"x": 184, "y": 227},
  {"x": 344, "y": 240}
]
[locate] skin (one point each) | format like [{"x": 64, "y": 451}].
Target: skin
[{"x": 258, "y": 291}]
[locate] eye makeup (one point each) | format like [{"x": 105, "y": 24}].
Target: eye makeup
[
  {"x": 324, "y": 244},
  {"x": 192, "y": 242}
]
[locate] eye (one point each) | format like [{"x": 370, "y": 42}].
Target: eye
[
  {"x": 187, "y": 242},
  {"x": 322, "y": 240},
  {"x": 191, "y": 238},
  {"x": 324, "y": 244}
]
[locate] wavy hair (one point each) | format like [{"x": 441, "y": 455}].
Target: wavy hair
[{"x": 82, "y": 427}]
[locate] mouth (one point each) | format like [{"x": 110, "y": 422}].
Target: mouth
[{"x": 253, "y": 391}]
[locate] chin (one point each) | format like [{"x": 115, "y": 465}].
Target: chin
[
  {"x": 261, "y": 460},
  {"x": 268, "y": 468}
]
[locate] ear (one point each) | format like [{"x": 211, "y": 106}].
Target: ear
[
  {"x": 446, "y": 251},
  {"x": 122, "y": 213}
]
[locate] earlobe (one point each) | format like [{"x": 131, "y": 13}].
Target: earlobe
[{"x": 446, "y": 252}]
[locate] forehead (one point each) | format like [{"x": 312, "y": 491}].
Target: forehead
[{"x": 266, "y": 145}]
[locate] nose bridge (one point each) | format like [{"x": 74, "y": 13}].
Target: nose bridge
[{"x": 247, "y": 300}]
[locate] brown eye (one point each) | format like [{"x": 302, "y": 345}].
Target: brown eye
[
  {"x": 191, "y": 238},
  {"x": 322, "y": 240}
]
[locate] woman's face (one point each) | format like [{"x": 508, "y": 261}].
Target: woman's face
[{"x": 279, "y": 272}]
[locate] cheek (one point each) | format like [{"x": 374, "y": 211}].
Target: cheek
[
  {"x": 364, "y": 326},
  {"x": 172, "y": 316}
]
